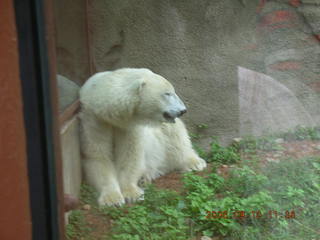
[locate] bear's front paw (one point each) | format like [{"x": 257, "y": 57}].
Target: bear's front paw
[
  {"x": 110, "y": 198},
  {"x": 132, "y": 193},
  {"x": 196, "y": 163}
]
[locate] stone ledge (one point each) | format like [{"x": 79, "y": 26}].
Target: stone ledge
[{"x": 71, "y": 158}]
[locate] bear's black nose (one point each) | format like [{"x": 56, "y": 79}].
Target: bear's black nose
[{"x": 182, "y": 112}]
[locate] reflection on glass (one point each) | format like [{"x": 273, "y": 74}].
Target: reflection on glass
[{"x": 249, "y": 73}]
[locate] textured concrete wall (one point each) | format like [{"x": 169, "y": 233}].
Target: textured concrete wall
[
  {"x": 291, "y": 49},
  {"x": 71, "y": 40},
  {"x": 196, "y": 45}
]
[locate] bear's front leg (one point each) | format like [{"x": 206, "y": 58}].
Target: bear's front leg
[
  {"x": 98, "y": 165},
  {"x": 193, "y": 162},
  {"x": 102, "y": 175},
  {"x": 184, "y": 157},
  {"x": 129, "y": 154}
]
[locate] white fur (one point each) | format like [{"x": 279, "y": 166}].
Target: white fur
[{"x": 125, "y": 136}]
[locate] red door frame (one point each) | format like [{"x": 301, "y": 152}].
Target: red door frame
[{"x": 15, "y": 220}]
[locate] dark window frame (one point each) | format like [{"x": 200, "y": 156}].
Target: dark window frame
[{"x": 40, "y": 118}]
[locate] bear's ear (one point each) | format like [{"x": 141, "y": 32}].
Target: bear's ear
[
  {"x": 139, "y": 85},
  {"x": 142, "y": 84}
]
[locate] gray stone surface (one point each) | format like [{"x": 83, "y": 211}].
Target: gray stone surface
[
  {"x": 69, "y": 138},
  {"x": 68, "y": 92},
  {"x": 312, "y": 16},
  {"x": 71, "y": 40},
  {"x": 267, "y": 106},
  {"x": 291, "y": 53},
  {"x": 196, "y": 45},
  {"x": 317, "y": 2}
]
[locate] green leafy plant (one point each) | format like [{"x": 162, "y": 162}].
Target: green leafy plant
[
  {"x": 274, "y": 201},
  {"x": 202, "y": 153},
  {"x": 77, "y": 226},
  {"x": 194, "y": 136},
  {"x": 88, "y": 195},
  {"x": 158, "y": 217},
  {"x": 254, "y": 192},
  {"x": 220, "y": 154},
  {"x": 301, "y": 133},
  {"x": 250, "y": 144}
]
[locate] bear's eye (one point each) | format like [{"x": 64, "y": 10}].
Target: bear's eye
[{"x": 168, "y": 94}]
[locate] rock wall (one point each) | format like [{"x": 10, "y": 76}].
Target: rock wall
[
  {"x": 196, "y": 45},
  {"x": 72, "y": 40},
  {"x": 199, "y": 46},
  {"x": 291, "y": 50}
]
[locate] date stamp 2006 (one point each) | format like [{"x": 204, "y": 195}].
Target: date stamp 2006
[{"x": 239, "y": 214}]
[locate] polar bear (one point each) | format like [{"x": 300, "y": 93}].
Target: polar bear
[{"x": 130, "y": 129}]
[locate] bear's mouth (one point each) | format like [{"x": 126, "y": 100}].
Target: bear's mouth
[{"x": 168, "y": 117}]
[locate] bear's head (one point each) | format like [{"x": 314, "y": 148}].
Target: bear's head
[
  {"x": 158, "y": 101},
  {"x": 131, "y": 96}
]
